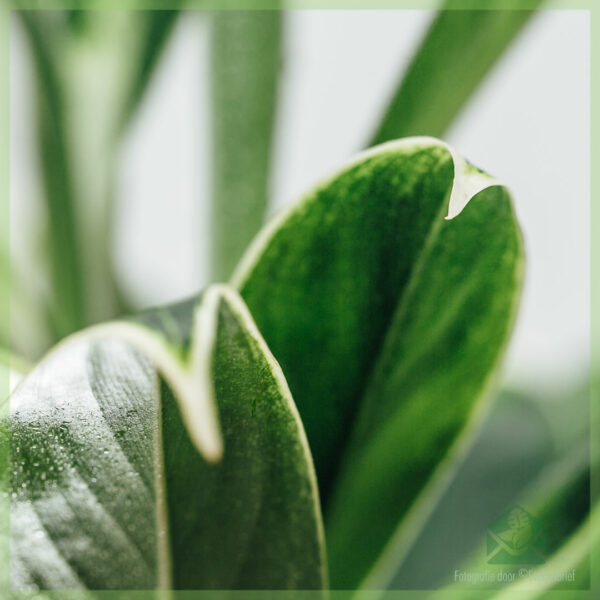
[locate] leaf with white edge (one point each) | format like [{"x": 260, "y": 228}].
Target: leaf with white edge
[
  {"x": 118, "y": 482},
  {"x": 389, "y": 321}
]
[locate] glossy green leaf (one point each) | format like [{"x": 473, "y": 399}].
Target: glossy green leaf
[
  {"x": 125, "y": 480},
  {"x": 389, "y": 322},
  {"x": 458, "y": 51},
  {"x": 245, "y": 64}
]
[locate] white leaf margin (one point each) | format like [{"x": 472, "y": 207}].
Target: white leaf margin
[
  {"x": 190, "y": 381},
  {"x": 467, "y": 182}
]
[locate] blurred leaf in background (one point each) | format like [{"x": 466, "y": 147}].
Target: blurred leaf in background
[
  {"x": 457, "y": 53},
  {"x": 246, "y": 60},
  {"x": 523, "y": 456},
  {"x": 91, "y": 71}
]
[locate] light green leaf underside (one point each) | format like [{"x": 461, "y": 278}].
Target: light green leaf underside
[
  {"x": 108, "y": 488},
  {"x": 458, "y": 51},
  {"x": 389, "y": 322},
  {"x": 246, "y": 60}
]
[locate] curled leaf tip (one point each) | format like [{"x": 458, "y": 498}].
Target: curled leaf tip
[{"x": 468, "y": 182}]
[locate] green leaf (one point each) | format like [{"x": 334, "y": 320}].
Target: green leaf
[
  {"x": 246, "y": 57},
  {"x": 458, "y": 51},
  {"x": 155, "y": 27},
  {"x": 124, "y": 480},
  {"x": 67, "y": 306},
  {"x": 389, "y": 322},
  {"x": 512, "y": 447},
  {"x": 90, "y": 83}
]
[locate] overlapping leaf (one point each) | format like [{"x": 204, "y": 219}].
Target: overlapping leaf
[{"x": 113, "y": 475}]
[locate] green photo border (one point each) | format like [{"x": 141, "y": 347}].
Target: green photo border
[{"x": 461, "y": 594}]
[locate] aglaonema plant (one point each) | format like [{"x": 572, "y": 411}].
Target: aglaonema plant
[
  {"x": 297, "y": 427},
  {"x": 292, "y": 429}
]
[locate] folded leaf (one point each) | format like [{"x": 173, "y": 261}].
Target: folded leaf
[
  {"x": 116, "y": 480},
  {"x": 389, "y": 323}
]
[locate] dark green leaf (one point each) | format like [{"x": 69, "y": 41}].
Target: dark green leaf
[{"x": 389, "y": 323}]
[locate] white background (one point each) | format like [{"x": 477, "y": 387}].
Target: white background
[{"x": 528, "y": 124}]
